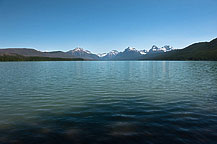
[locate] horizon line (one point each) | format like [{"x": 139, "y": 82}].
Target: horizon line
[{"x": 99, "y": 53}]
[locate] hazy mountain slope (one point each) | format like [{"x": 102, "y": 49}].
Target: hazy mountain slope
[
  {"x": 34, "y": 58},
  {"x": 33, "y": 53},
  {"x": 58, "y": 54},
  {"x": 21, "y": 51}
]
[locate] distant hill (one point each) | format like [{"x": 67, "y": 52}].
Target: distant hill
[
  {"x": 34, "y": 53},
  {"x": 197, "y": 51},
  {"x": 26, "y": 54},
  {"x": 17, "y": 53},
  {"x": 33, "y": 58}
]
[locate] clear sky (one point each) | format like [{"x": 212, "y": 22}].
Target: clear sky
[{"x": 104, "y": 25}]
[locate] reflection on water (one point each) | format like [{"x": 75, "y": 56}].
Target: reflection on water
[{"x": 108, "y": 102}]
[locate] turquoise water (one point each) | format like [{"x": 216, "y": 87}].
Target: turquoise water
[{"x": 125, "y": 102}]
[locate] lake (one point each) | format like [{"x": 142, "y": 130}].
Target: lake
[{"x": 109, "y": 102}]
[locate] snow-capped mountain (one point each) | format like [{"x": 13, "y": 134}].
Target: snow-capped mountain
[
  {"x": 168, "y": 48},
  {"x": 154, "y": 49},
  {"x": 130, "y": 49},
  {"x": 80, "y": 50},
  {"x": 113, "y": 53},
  {"x": 81, "y": 53},
  {"x": 109, "y": 56},
  {"x": 162, "y": 49},
  {"x": 128, "y": 54}
]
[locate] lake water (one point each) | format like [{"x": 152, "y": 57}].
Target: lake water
[{"x": 127, "y": 102}]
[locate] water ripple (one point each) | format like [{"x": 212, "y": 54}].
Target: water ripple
[{"x": 108, "y": 102}]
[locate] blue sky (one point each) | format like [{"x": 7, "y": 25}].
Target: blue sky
[{"x": 104, "y": 25}]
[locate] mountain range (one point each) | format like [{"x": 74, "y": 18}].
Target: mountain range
[{"x": 197, "y": 51}]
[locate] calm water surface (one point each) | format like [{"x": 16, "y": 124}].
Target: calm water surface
[{"x": 108, "y": 102}]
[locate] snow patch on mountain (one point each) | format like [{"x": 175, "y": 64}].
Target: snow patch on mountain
[
  {"x": 143, "y": 52},
  {"x": 81, "y": 50},
  {"x": 113, "y": 53},
  {"x": 130, "y": 49},
  {"x": 165, "y": 48},
  {"x": 102, "y": 54}
]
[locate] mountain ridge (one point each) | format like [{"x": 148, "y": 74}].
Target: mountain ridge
[
  {"x": 81, "y": 53},
  {"x": 196, "y": 51}
]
